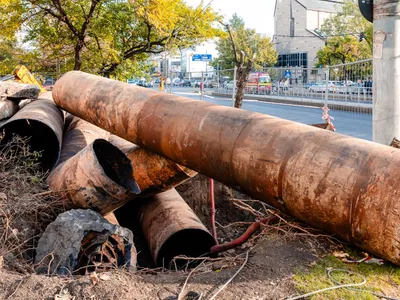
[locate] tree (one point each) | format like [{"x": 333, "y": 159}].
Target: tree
[
  {"x": 244, "y": 48},
  {"x": 100, "y": 35},
  {"x": 348, "y": 22},
  {"x": 341, "y": 50}
]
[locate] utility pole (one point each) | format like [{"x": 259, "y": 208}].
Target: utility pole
[{"x": 386, "y": 78}]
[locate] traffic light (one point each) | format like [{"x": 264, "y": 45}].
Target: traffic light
[{"x": 362, "y": 37}]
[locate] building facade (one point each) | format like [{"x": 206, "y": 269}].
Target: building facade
[{"x": 295, "y": 36}]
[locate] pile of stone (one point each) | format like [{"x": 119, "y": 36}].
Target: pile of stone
[{"x": 14, "y": 96}]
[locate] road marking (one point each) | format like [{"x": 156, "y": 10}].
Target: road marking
[
  {"x": 207, "y": 96},
  {"x": 190, "y": 94}
]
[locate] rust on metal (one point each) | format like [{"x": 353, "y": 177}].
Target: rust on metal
[
  {"x": 42, "y": 122},
  {"x": 153, "y": 173},
  {"x": 79, "y": 134},
  {"x": 334, "y": 182},
  {"x": 99, "y": 177},
  {"x": 171, "y": 228}
]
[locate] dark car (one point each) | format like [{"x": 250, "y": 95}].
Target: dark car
[{"x": 186, "y": 83}]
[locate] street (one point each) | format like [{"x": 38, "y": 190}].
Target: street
[{"x": 350, "y": 123}]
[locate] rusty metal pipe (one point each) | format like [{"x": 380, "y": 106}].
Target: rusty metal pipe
[
  {"x": 95, "y": 183},
  {"x": 42, "y": 122},
  {"x": 171, "y": 228},
  {"x": 99, "y": 177},
  {"x": 334, "y": 182},
  {"x": 153, "y": 173}
]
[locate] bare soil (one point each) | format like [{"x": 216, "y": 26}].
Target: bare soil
[{"x": 268, "y": 273}]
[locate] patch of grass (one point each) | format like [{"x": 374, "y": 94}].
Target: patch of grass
[{"x": 381, "y": 279}]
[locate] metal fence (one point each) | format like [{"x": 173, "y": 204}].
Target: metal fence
[
  {"x": 339, "y": 87},
  {"x": 345, "y": 89}
]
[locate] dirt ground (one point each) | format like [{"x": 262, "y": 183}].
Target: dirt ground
[
  {"x": 267, "y": 275},
  {"x": 273, "y": 259}
]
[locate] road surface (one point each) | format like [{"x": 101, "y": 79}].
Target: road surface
[{"x": 350, "y": 123}]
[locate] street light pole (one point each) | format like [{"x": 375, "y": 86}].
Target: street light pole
[{"x": 386, "y": 73}]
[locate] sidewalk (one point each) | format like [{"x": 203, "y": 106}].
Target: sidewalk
[{"x": 345, "y": 105}]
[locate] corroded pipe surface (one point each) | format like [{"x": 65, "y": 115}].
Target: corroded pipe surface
[
  {"x": 99, "y": 177},
  {"x": 79, "y": 134},
  {"x": 171, "y": 228},
  {"x": 42, "y": 122},
  {"x": 153, "y": 173},
  {"x": 337, "y": 183}
]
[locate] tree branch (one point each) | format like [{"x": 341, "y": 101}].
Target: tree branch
[
  {"x": 88, "y": 17},
  {"x": 64, "y": 17},
  {"x": 228, "y": 28}
]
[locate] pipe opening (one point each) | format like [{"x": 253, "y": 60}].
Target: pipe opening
[
  {"x": 115, "y": 165},
  {"x": 187, "y": 242},
  {"x": 41, "y": 138}
]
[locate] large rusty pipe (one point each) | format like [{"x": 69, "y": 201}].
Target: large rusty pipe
[
  {"x": 172, "y": 229},
  {"x": 42, "y": 122},
  {"x": 153, "y": 173},
  {"x": 92, "y": 172},
  {"x": 99, "y": 177},
  {"x": 337, "y": 183}
]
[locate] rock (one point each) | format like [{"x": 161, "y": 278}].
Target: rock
[
  {"x": 15, "y": 90},
  {"x": 60, "y": 251},
  {"x": 8, "y": 109}
]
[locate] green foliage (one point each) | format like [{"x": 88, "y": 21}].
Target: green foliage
[
  {"x": 348, "y": 20},
  {"x": 247, "y": 40},
  {"x": 345, "y": 28},
  {"x": 343, "y": 50},
  {"x": 100, "y": 35}
]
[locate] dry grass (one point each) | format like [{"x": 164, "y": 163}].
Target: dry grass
[{"x": 26, "y": 205}]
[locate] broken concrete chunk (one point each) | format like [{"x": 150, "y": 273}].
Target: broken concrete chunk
[
  {"x": 15, "y": 90},
  {"x": 8, "y": 109},
  {"x": 82, "y": 241}
]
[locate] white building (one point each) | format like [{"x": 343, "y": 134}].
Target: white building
[
  {"x": 180, "y": 64},
  {"x": 295, "y": 38}
]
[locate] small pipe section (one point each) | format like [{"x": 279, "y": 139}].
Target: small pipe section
[
  {"x": 171, "y": 228},
  {"x": 42, "y": 122},
  {"x": 99, "y": 177}
]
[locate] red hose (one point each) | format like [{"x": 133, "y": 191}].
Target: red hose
[
  {"x": 212, "y": 204},
  {"x": 242, "y": 239}
]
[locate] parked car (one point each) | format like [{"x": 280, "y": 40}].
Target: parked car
[
  {"x": 48, "y": 84},
  {"x": 230, "y": 85},
  {"x": 186, "y": 83},
  {"x": 318, "y": 87},
  {"x": 145, "y": 83},
  {"x": 176, "y": 81},
  {"x": 209, "y": 84},
  {"x": 196, "y": 83}
]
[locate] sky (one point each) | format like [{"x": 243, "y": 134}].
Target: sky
[{"x": 257, "y": 14}]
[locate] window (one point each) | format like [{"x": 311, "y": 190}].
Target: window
[{"x": 292, "y": 60}]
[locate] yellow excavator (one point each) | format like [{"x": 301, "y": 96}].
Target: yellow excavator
[{"x": 22, "y": 74}]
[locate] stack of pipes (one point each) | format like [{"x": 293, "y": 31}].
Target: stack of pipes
[{"x": 150, "y": 142}]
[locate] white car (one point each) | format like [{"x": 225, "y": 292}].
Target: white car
[
  {"x": 176, "y": 81},
  {"x": 319, "y": 87},
  {"x": 229, "y": 85}
]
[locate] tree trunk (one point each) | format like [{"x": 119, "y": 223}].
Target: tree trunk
[
  {"x": 78, "y": 51},
  {"x": 242, "y": 77}
]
